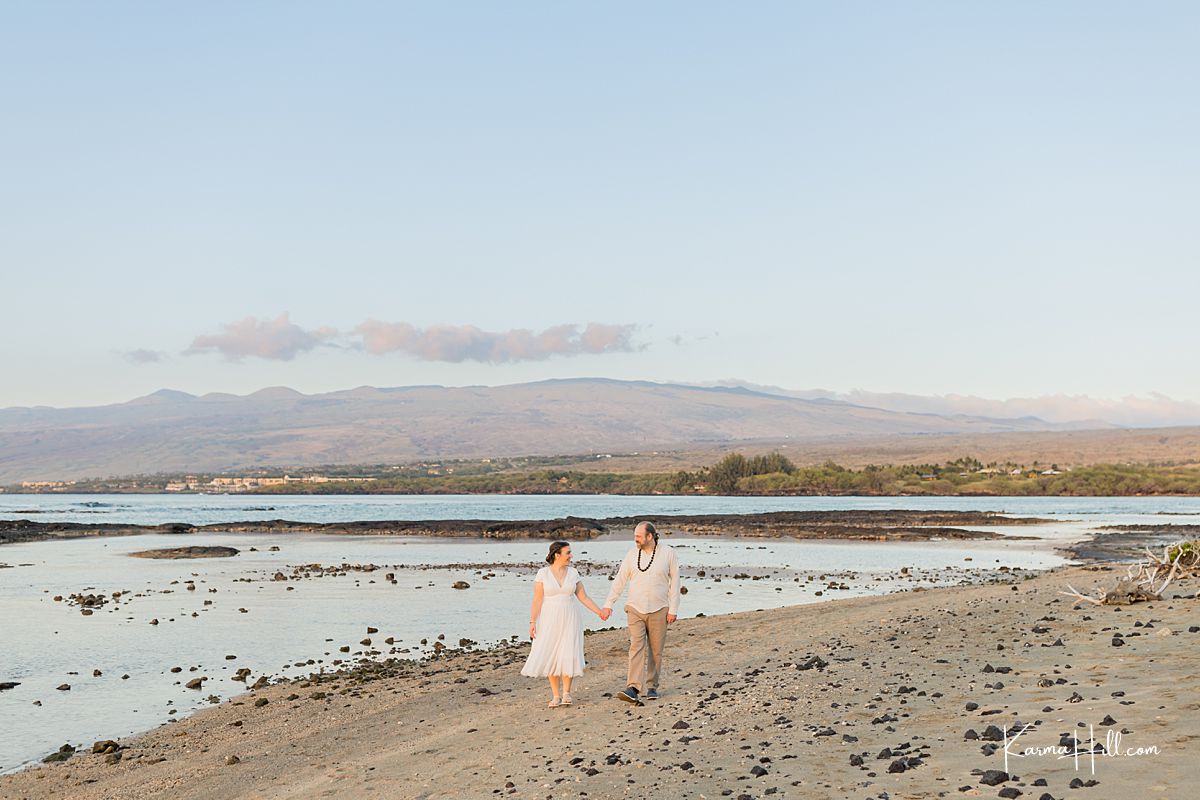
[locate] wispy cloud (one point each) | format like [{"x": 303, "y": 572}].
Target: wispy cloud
[
  {"x": 282, "y": 340},
  {"x": 279, "y": 339},
  {"x": 144, "y": 356},
  {"x": 456, "y": 343}
]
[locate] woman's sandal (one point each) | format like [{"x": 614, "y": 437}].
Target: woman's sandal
[
  {"x": 566, "y": 699},
  {"x": 555, "y": 703}
]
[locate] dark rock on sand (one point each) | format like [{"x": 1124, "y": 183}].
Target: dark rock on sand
[
  {"x": 188, "y": 552},
  {"x": 993, "y": 733},
  {"x": 993, "y": 777},
  {"x": 64, "y": 752}
]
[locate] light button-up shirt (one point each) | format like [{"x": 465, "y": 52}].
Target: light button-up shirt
[{"x": 649, "y": 591}]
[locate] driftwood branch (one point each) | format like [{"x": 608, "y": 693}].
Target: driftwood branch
[
  {"x": 1147, "y": 579},
  {"x": 1080, "y": 597}
]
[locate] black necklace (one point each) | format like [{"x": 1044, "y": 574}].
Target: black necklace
[{"x": 653, "y": 553}]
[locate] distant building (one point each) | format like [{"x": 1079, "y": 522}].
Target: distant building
[
  {"x": 242, "y": 484},
  {"x": 43, "y": 485}
]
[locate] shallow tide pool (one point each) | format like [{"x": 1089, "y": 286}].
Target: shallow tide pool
[{"x": 288, "y": 623}]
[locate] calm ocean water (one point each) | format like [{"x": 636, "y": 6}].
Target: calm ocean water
[
  {"x": 201, "y": 509},
  {"x": 47, "y": 643}
]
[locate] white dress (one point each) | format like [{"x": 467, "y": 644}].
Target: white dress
[{"x": 558, "y": 639}]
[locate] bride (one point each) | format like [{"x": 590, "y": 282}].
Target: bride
[{"x": 555, "y": 626}]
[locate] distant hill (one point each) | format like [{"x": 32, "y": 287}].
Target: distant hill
[
  {"x": 1082, "y": 412},
  {"x": 175, "y": 431}
]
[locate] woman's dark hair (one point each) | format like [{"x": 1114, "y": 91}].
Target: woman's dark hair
[{"x": 554, "y": 550}]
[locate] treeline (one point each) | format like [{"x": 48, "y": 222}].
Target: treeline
[
  {"x": 728, "y": 474},
  {"x": 775, "y": 474},
  {"x": 736, "y": 474}
]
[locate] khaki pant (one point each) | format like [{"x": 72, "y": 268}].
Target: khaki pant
[{"x": 645, "y": 629}]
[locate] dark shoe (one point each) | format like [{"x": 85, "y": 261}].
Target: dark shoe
[
  {"x": 630, "y": 695},
  {"x": 652, "y": 694}
]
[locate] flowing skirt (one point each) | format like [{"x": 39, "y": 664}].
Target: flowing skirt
[{"x": 558, "y": 641}]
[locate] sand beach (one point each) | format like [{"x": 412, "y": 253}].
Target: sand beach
[{"x": 909, "y": 695}]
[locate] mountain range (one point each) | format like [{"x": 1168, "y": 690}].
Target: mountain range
[
  {"x": 1153, "y": 410},
  {"x": 172, "y": 431}
]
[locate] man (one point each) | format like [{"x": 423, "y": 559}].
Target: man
[{"x": 652, "y": 573}]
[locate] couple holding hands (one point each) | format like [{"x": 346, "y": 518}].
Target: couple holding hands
[{"x": 651, "y": 572}]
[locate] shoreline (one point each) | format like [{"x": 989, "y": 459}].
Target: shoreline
[
  {"x": 875, "y": 525},
  {"x": 16, "y": 491},
  {"x": 328, "y": 577},
  {"x": 913, "y": 673}
]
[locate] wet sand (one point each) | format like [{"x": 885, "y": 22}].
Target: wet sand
[{"x": 850, "y": 698}]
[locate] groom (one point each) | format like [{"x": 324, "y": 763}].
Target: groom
[{"x": 652, "y": 572}]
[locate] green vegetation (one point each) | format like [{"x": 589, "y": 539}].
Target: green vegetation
[
  {"x": 770, "y": 474},
  {"x": 964, "y": 476},
  {"x": 1186, "y": 553},
  {"x": 537, "y": 482}
]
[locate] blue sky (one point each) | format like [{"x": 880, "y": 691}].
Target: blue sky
[{"x": 995, "y": 199}]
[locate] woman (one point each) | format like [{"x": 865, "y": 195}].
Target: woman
[{"x": 555, "y": 626}]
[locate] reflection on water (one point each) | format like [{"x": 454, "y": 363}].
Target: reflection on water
[
  {"x": 290, "y": 622},
  {"x": 292, "y": 627}
]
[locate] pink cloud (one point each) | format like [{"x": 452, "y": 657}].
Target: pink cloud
[
  {"x": 281, "y": 339},
  {"x": 278, "y": 339},
  {"x": 457, "y": 343}
]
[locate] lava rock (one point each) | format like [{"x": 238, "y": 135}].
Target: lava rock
[{"x": 993, "y": 777}]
